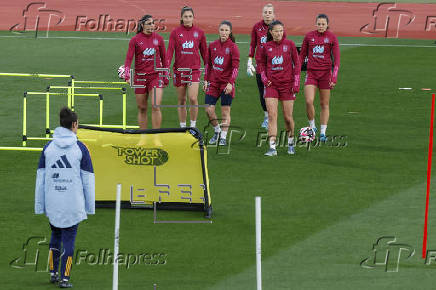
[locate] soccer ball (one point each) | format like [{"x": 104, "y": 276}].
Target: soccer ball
[
  {"x": 122, "y": 72},
  {"x": 306, "y": 135}
]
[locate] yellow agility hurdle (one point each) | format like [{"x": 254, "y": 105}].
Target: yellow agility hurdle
[{"x": 47, "y": 113}]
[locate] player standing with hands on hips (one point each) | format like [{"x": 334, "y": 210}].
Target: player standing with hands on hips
[
  {"x": 148, "y": 47},
  {"x": 321, "y": 47},
  {"x": 64, "y": 192},
  {"x": 186, "y": 41},
  {"x": 279, "y": 67},
  {"x": 219, "y": 79},
  {"x": 258, "y": 39}
]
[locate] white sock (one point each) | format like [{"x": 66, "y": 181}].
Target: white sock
[
  {"x": 323, "y": 129},
  {"x": 182, "y": 125},
  {"x": 312, "y": 123},
  {"x": 217, "y": 128},
  {"x": 266, "y": 114},
  {"x": 290, "y": 141},
  {"x": 193, "y": 123},
  {"x": 272, "y": 144},
  {"x": 223, "y": 134}
]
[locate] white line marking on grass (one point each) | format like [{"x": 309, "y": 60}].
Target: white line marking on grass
[{"x": 238, "y": 42}]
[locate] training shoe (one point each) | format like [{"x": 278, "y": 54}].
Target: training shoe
[
  {"x": 271, "y": 152},
  {"x": 222, "y": 142},
  {"x": 54, "y": 278},
  {"x": 323, "y": 138},
  {"x": 291, "y": 150},
  {"x": 265, "y": 123},
  {"x": 214, "y": 138},
  {"x": 65, "y": 284}
]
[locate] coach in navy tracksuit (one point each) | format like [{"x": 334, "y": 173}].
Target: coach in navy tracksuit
[{"x": 65, "y": 192}]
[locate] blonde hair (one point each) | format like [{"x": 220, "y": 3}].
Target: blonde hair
[{"x": 269, "y": 5}]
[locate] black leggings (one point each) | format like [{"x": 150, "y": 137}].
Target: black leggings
[{"x": 260, "y": 87}]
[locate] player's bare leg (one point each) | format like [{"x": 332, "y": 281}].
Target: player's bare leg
[
  {"x": 210, "y": 111},
  {"x": 141, "y": 101},
  {"x": 324, "y": 98},
  {"x": 193, "y": 101},
  {"x": 181, "y": 101},
  {"x": 309, "y": 95},
  {"x": 288, "y": 109},
  {"x": 156, "y": 114},
  {"x": 271, "y": 106},
  {"x": 225, "y": 114}
]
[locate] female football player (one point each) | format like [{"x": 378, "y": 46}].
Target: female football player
[
  {"x": 186, "y": 41},
  {"x": 147, "y": 46},
  {"x": 258, "y": 39},
  {"x": 219, "y": 80},
  {"x": 319, "y": 46},
  {"x": 279, "y": 67}
]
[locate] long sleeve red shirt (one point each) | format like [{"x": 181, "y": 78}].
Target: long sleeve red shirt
[
  {"x": 222, "y": 62},
  {"x": 186, "y": 43},
  {"x": 322, "y": 51},
  {"x": 258, "y": 39},
  {"x": 145, "y": 48}
]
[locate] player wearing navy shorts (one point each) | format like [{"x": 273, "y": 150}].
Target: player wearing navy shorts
[
  {"x": 147, "y": 46},
  {"x": 221, "y": 71},
  {"x": 321, "y": 47},
  {"x": 258, "y": 39},
  {"x": 186, "y": 41},
  {"x": 279, "y": 67}
]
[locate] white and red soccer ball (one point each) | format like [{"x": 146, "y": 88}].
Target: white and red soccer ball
[
  {"x": 307, "y": 134},
  {"x": 122, "y": 72}
]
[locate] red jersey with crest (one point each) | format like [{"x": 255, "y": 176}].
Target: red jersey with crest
[
  {"x": 258, "y": 38},
  {"x": 186, "y": 42},
  {"x": 322, "y": 51},
  {"x": 222, "y": 62},
  {"x": 145, "y": 47},
  {"x": 279, "y": 63}
]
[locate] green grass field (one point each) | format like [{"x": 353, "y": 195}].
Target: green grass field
[{"x": 322, "y": 209}]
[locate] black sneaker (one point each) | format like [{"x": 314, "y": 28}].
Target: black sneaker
[
  {"x": 65, "y": 284},
  {"x": 54, "y": 278}
]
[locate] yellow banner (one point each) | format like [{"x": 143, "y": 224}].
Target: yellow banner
[{"x": 168, "y": 165}]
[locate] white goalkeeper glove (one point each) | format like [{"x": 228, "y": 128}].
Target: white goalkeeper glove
[{"x": 251, "y": 70}]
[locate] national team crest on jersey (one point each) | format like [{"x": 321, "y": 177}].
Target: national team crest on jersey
[
  {"x": 285, "y": 48},
  {"x": 326, "y": 40},
  {"x": 227, "y": 50},
  {"x": 155, "y": 41},
  {"x": 313, "y": 39},
  {"x": 270, "y": 49},
  {"x": 196, "y": 34}
]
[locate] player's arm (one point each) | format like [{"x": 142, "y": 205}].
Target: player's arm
[
  {"x": 40, "y": 185},
  {"x": 203, "y": 48},
  {"x": 170, "y": 50},
  {"x": 207, "y": 69},
  {"x": 163, "y": 56},
  {"x": 235, "y": 69},
  {"x": 261, "y": 61},
  {"x": 129, "y": 58},
  {"x": 336, "y": 61},
  {"x": 253, "y": 43},
  {"x": 303, "y": 51},
  {"x": 297, "y": 68},
  {"x": 88, "y": 179}
]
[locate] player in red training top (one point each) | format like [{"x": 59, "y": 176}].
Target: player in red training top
[
  {"x": 186, "y": 40},
  {"x": 319, "y": 46},
  {"x": 258, "y": 39},
  {"x": 279, "y": 68},
  {"x": 148, "y": 48},
  {"x": 219, "y": 80}
]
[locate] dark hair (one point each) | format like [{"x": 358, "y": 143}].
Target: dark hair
[
  {"x": 67, "y": 118},
  {"x": 184, "y": 9},
  {"x": 270, "y": 27},
  {"x": 141, "y": 23},
  {"x": 229, "y": 24},
  {"x": 323, "y": 16}
]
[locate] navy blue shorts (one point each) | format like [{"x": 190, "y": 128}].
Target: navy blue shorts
[{"x": 226, "y": 100}]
